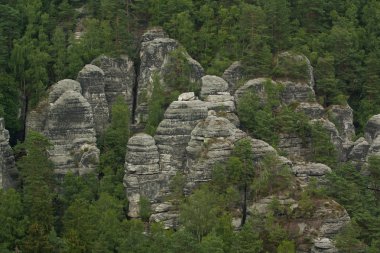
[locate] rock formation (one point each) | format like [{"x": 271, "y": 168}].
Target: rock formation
[
  {"x": 212, "y": 141},
  {"x": 342, "y": 116},
  {"x": 119, "y": 78},
  {"x": 234, "y": 74},
  {"x": 91, "y": 79},
  {"x": 70, "y": 128},
  {"x": 142, "y": 177},
  {"x": 174, "y": 132},
  {"x": 8, "y": 170},
  {"x": 66, "y": 119},
  {"x": 155, "y": 55}
]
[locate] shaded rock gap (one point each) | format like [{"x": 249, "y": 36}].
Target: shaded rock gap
[{"x": 136, "y": 63}]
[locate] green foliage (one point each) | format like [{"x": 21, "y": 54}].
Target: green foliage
[
  {"x": 12, "y": 220},
  {"x": 145, "y": 210},
  {"x": 374, "y": 179},
  {"x": 269, "y": 168},
  {"x": 37, "y": 176},
  {"x": 323, "y": 151},
  {"x": 199, "y": 213},
  {"x": 178, "y": 74},
  {"x": 286, "y": 247},
  {"x": 347, "y": 240},
  {"x": 350, "y": 189},
  {"x": 291, "y": 67},
  {"x": 247, "y": 240},
  {"x": 156, "y": 107}
]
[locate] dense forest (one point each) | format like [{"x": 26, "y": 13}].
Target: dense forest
[{"x": 44, "y": 41}]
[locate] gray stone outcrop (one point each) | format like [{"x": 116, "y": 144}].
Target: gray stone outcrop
[
  {"x": 255, "y": 86},
  {"x": 8, "y": 170},
  {"x": 313, "y": 110},
  {"x": 119, "y": 78},
  {"x": 372, "y": 129},
  {"x": 66, "y": 118},
  {"x": 70, "y": 129},
  {"x": 212, "y": 142},
  {"x": 211, "y": 85},
  {"x": 234, "y": 74},
  {"x": 359, "y": 151},
  {"x": 296, "y": 92},
  {"x": 304, "y": 172},
  {"x": 142, "y": 172},
  {"x": 343, "y": 118},
  {"x": 155, "y": 56},
  {"x": 174, "y": 132},
  {"x": 91, "y": 79},
  {"x": 323, "y": 245}
]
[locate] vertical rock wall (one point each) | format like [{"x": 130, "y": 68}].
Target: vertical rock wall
[{"x": 8, "y": 171}]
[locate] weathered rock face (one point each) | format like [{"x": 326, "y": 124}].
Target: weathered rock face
[
  {"x": 155, "y": 54},
  {"x": 306, "y": 171},
  {"x": 233, "y": 75},
  {"x": 343, "y": 118},
  {"x": 358, "y": 153},
  {"x": 174, "y": 132},
  {"x": 294, "y": 92},
  {"x": 119, "y": 78},
  {"x": 8, "y": 170},
  {"x": 256, "y": 86},
  {"x": 323, "y": 245},
  {"x": 61, "y": 87},
  {"x": 217, "y": 98},
  {"x": 294, "y": 146},
  {"x": 211, "y": 142},
  {"x": 91, "y": 79},
  {"x": 142, "y": 172},
  {"x": 313, "y": 110},
  {"x": 66, "y": 118},
  {"x": 36, "y": 119},
  {"x": 334, "y": 135},
  {"x": 70, "y": 129},
  {"x": 310, "y": 230},
  {"x": 372, "y": 129},
  {"x": 211, "y": 85}
]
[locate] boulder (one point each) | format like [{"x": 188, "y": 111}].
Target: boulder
[
  {"x": 188, "y": 96},
  {"x": 119, "y": 78},
  {"x": 8, "y": 171},
  {"x": 323, "y": 245},
  {"x": 211, "y": 85},
  {"x": 91, "y": 79}
]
